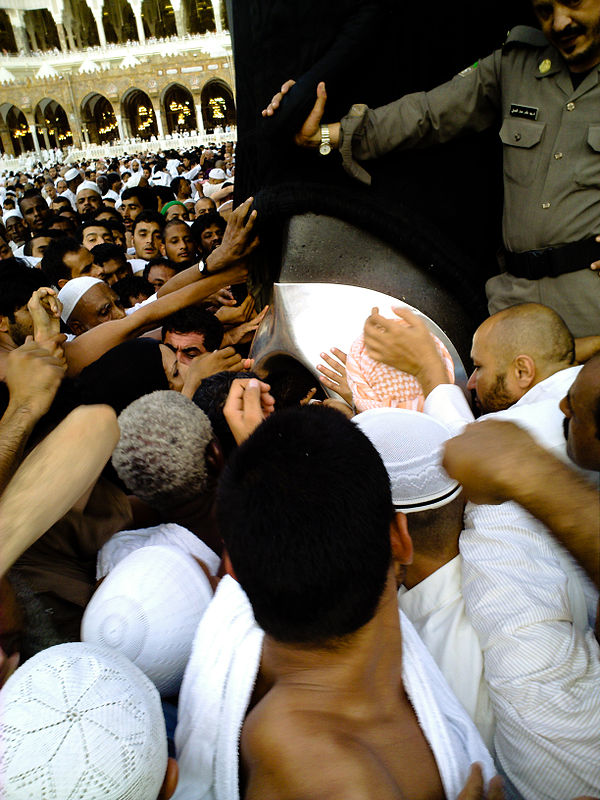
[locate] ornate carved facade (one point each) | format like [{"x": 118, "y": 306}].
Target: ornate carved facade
[{"x": 119, "y": 71}]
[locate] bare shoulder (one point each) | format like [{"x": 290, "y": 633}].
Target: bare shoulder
[{"x": 291, "y": 754}]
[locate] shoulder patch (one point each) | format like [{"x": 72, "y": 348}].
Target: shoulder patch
[
  {"x": 467, "y": 70},
  {"x": 524, "y": 35}
]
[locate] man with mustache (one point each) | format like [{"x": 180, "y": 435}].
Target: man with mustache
[{"x": 541, "y": 88}]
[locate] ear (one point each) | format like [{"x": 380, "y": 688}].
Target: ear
[
  {"x": 524, "y": 371},
  {"x": 215, "y": 461},
  {"x": 163, "y": 249},
  {"x": 61, "y": 282},
  {"x": 402, "y": 546},
  {"x": 3, "y": 324},
  {"x": 167, "y": 790},
  {"x": 226, "y": 565}
]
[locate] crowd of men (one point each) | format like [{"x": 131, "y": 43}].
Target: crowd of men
[{"x": 215, "y": 584}]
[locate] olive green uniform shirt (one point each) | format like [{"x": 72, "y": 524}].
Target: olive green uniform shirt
[{"x": 549, "y": 130}]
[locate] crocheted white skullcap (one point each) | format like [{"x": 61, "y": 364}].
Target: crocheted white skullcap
[
  {"x": 410, "y": 444},
  {"x": 72, "y": 292},
  {"x": 71, "y": 174},
  {"x": 88, "y": 185},
  {"x": 78, "y": 720},
  {"x": 148, "y": 608}
]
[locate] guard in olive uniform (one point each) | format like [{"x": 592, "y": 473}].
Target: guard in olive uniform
[
  {"x": 551, "y": 136},
  {"x": 546, "y": 102}
]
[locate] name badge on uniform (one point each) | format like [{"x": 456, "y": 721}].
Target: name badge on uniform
[{"x": 526, "y": 112}]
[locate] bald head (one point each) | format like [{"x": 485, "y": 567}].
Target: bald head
[
  {"x": 514, "y": 350},
  {"x": 534, "y": 330}
]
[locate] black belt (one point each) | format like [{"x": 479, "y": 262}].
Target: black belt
[{"x": 552, "y": 261}]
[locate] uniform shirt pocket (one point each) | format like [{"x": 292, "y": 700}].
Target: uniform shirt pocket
[
  {"x": 521, "y": 139},
  {"x": 588, "y": 167}
]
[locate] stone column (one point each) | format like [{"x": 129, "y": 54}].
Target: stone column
[
  {"x": 97, "y": 12},
  {"x": 121, "y": 128},
  {"x": 32, "y": 35},
  {"x": 17, "y": 20},
  {"x": 61, "y": 36},
  {"x": 36, "y": 143},
  {"x": 71, "y": 38},
  {"x": 7, "y": 142},
  {"x": 44, "y": 132},
  {"x": 136, "y": 7},
  {"x": 199, "y": 118},
  {"x": 161, "y": 121},
  {"x": 180, "y": 21},
  {"x": 216, "y": 4}
]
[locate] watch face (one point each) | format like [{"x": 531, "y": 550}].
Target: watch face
[{"x": 324, "y": 148}]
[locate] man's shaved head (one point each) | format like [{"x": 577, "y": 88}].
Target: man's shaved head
[
  {"x": 533, "y": 329},
  {"x": 515, "y": 349}
]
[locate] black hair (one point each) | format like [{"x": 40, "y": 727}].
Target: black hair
[
  {"x": 52, "y": 264},
  {"x": 175, "y": 221},
  {"x": 149, "y": 216},
  {"x": 304, "y": 507},
  {"x": 211, "y": 396},
  {"x": 63, "y": 201},
  {"x": 158, "y": 261},
  {"x": 144, "y": 194},
  {"x": 17, "y": 283},
  {"x": 27, "y": 247},
  {"x": 195, "y": 320},
  {"x": 131, "y": 286},
  {"x": 112, "y": 178},
  {"x": 108, "y": 252},
  {"x": 176, "y": 183},
  {"x": 204, "y": 221},
  {"x": 165, "y": 193},
  {"x": 93, "y": 223},
  {"x": 28, "y": 194}
]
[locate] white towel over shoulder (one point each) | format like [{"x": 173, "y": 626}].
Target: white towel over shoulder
[{"x": 218, "y": 684}]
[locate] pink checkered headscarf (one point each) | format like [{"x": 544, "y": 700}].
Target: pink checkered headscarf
[{"x": 377, "y": 385}]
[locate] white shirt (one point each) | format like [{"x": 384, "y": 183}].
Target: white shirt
[
  {"x": 542, "y": 662},
  {"x": 436, "y": 608}
]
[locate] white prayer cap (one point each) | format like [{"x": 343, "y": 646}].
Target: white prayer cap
[
  {"x": 111, "y": 195},
  {"x": 78, "y": 720},
  {"x": 71, "y": 174},
  {"x": 410, "y": 444},
  {"x": 148, "y": 608},
  {"x": 217, "y": 174},
  {"x": 72, "y": 292},
  {"x": 88, "y": 185},
  {"x": 12, "y": 212}
]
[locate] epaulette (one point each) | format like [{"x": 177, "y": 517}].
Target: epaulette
[{"x": 523, "y": 34}]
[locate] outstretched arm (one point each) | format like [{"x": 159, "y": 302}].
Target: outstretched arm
[
  {"x": 33, "y": 376},
  {"x": 497, "y": 461},
  {"x": 92, "y": 344},
  {"x": 53, "y": 477}
]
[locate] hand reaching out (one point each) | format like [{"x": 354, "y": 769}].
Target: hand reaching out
[
  {"x": 33, "y": 376},
  {"x": 239, "y": 239},
  {"x": 407, "y": 345},
  {"x": 309, "y": 134},
  {"x": 335, "y": 377},
  {"x": 248, "y": 404},
  {"x": 224, "y": 360},
  {"x": 45, "y": 308}
]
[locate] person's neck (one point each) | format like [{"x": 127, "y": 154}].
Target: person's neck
[
  {"x": 423, "y": 565},
  {"x": 198, "y": 516},
  {"x": 368, "y": 663}
]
